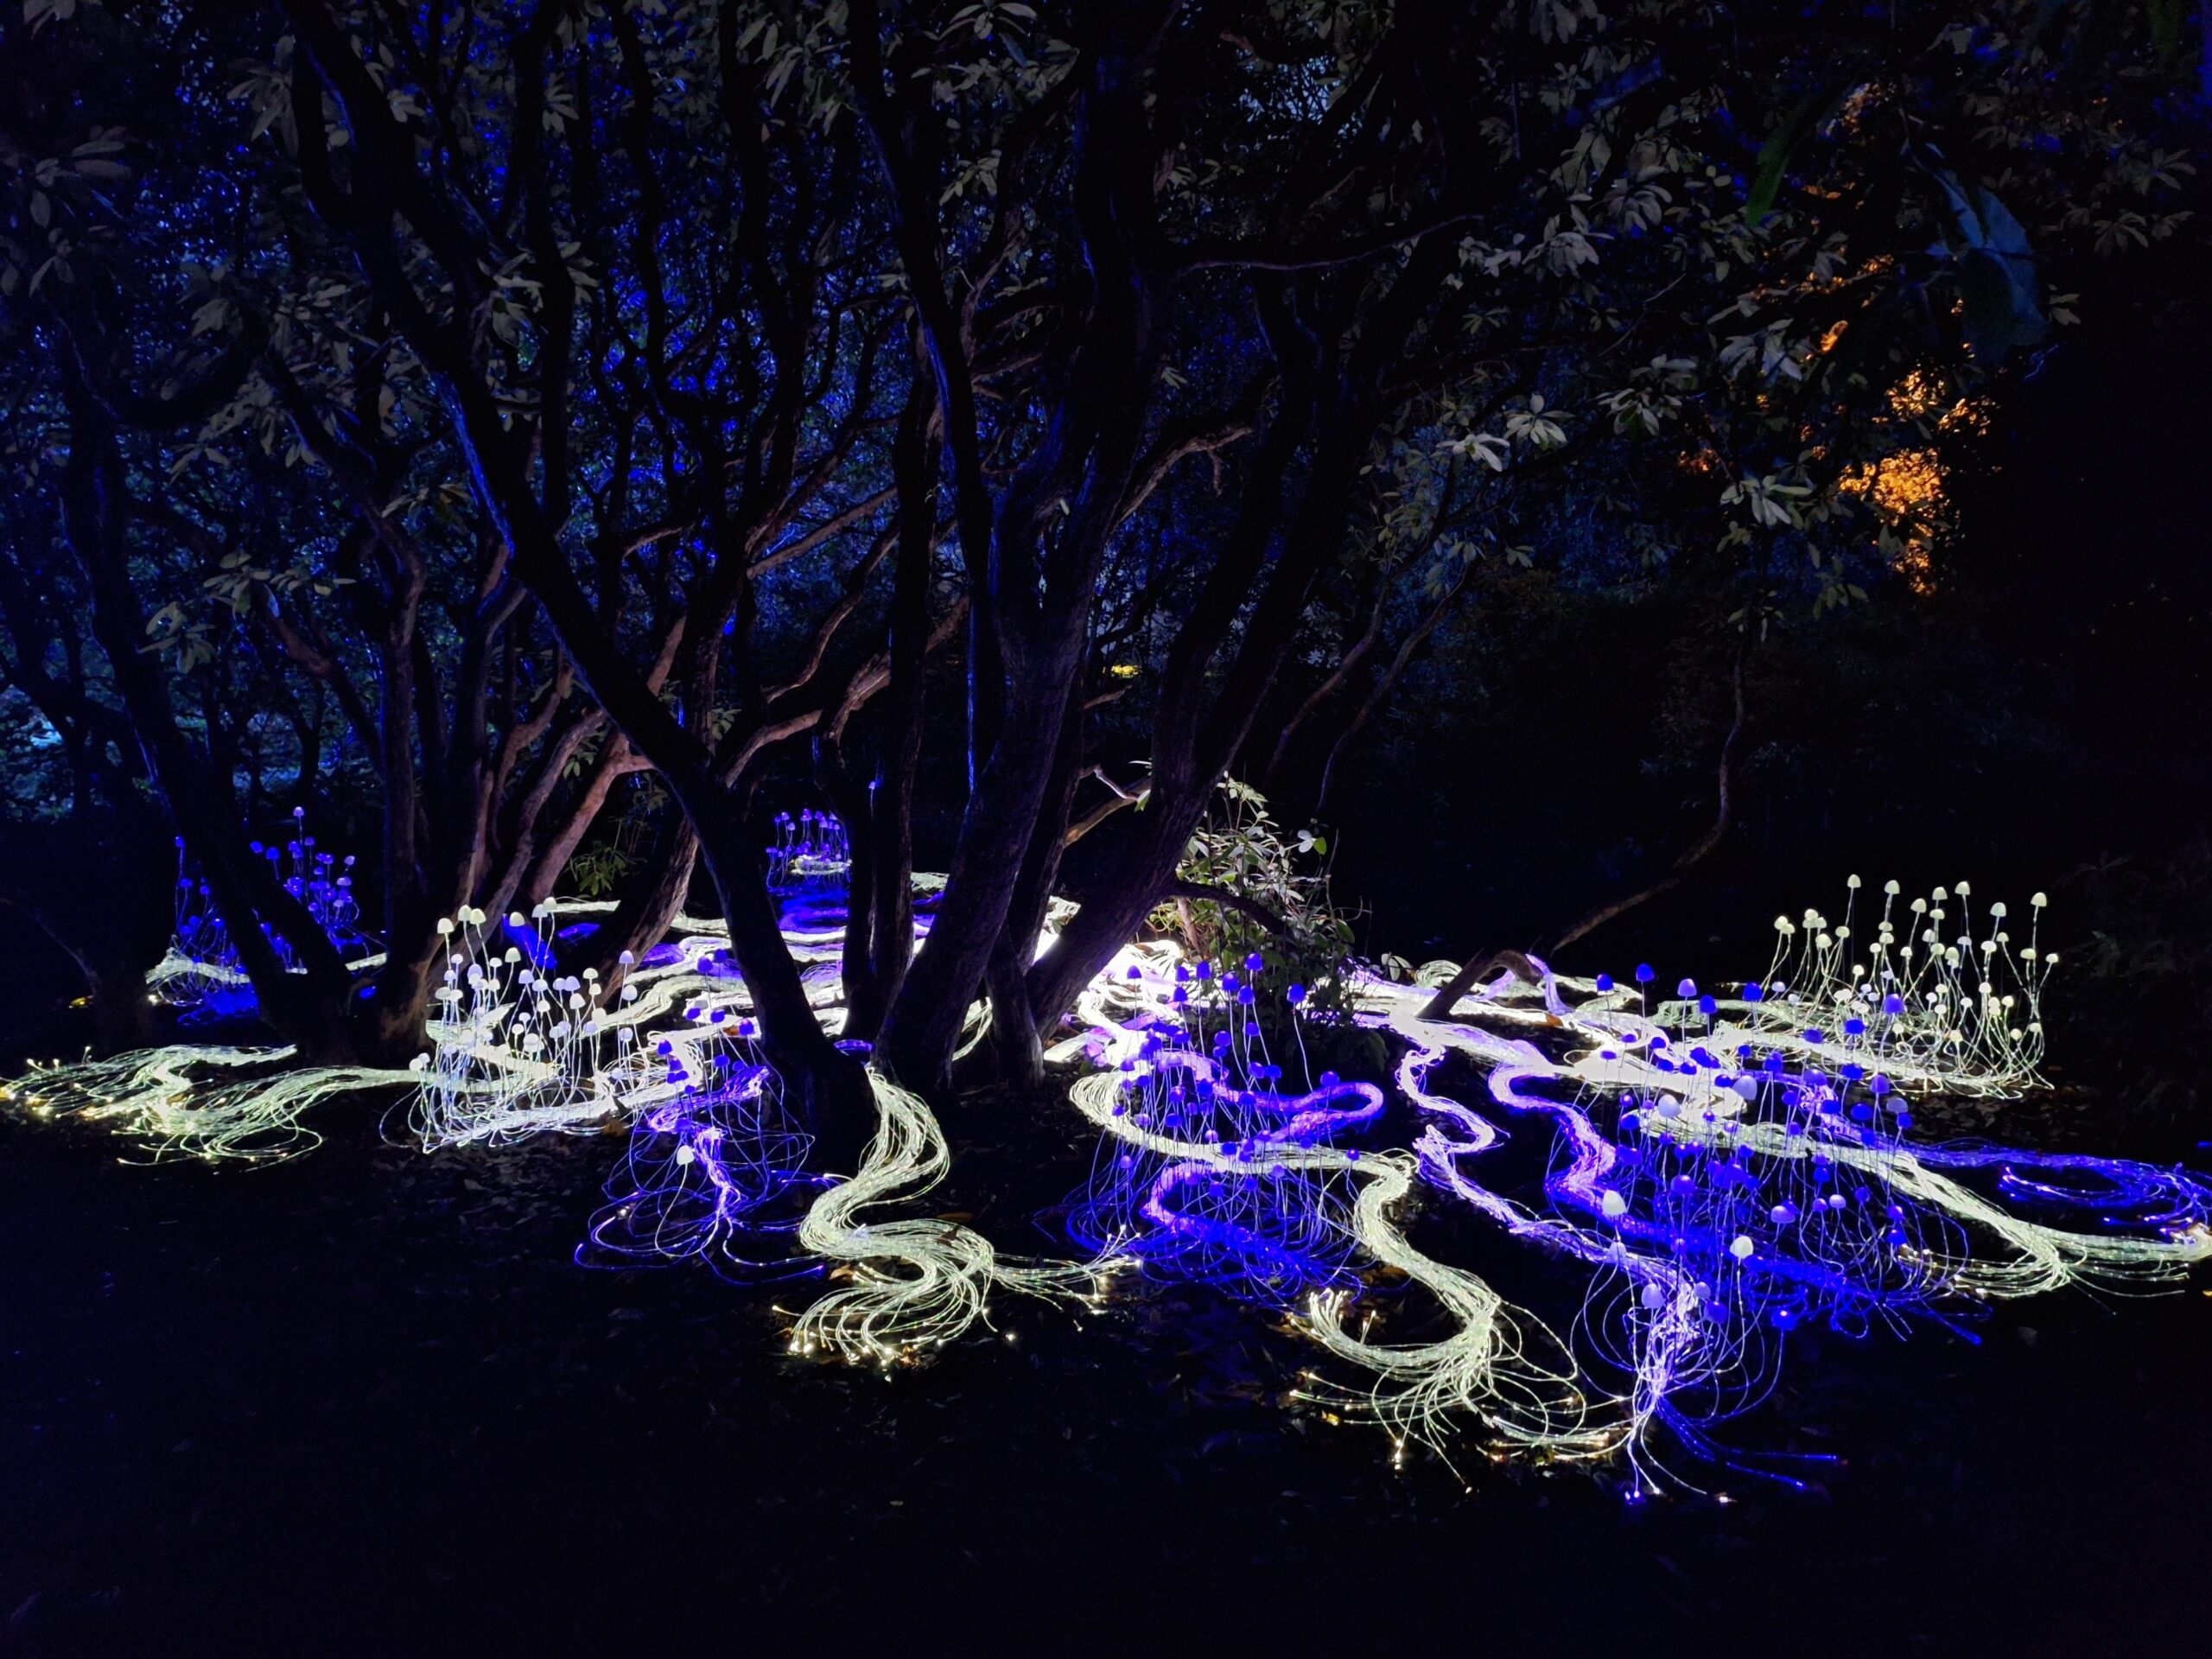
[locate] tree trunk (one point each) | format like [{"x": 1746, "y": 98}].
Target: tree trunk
[
  {"x": 1017, "y": 1025},
  {"x": 650, "y": 905},
  {"x": 306, "y": 1009},
  {"x": 923, "y": 1025},
  {"x": 849, "y": 800},
  {"x": 827, "y": 1087},
  {"x": 890, "y": 894}
]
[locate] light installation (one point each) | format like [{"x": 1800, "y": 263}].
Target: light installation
[
  {"x": 1731, "y": 1170},
  {"x": 200, "y": 974},
  {"x": 811, "y": 852},
  {"x": 1727, "y": 1167},
  {"x": 1215, "y": 1170},
  {"x": 711, "y": 1156}
]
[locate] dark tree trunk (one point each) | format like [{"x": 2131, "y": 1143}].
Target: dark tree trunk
[
  {"x": 1017, "y": 1037},
  {"x": 1193, "y": 746},
  {"x": 113, "y": 872},
  {"x": 849, "y": 800},
  {"x": 923, "y": 1025},
  {"x": 826, "y": 1086},
  {"x": 879, "y": 815},
  {"x": 650, "y": 902},
  {"x": 307, "y": 1008}
]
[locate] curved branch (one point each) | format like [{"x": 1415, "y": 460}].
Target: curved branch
[
  {"x": 1389, "y": 680},
  {"x": 1697, "y": 850},
  {"x": 1478, "y": 967},
  {"x": 1105, "y": 810},
  {"x": 1262, "y": 256},
  {"x": 1251, "y": 908}
]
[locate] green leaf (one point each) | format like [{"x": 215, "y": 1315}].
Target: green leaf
[
  {"x": 1774, "y": 155},
  {"x": 2166, "y": 25},
  {"x": 1997, "y": 273}
]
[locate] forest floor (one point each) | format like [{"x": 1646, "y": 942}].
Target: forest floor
[{"x": 366, "y": 1402}]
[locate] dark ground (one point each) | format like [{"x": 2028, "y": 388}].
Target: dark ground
[{"x": 365, "y": 1403}]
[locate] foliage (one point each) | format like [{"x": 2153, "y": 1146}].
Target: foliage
[
  {"x": 1241, "y": 850},
  {"x": 495, "y": 401},
  {"x": 598, "y": 869},
  {"x": 2140, "y": 1011}
]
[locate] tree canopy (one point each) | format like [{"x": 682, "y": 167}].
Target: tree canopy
[{"x": 519, "y": 420}]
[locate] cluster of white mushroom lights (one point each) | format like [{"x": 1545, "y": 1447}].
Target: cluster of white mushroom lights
[
  {"x": 1732, "y": 1170},
  {"x": 1947, "y": 1011},
  {"x": 1729, "y": 1165},
  {"x": 514, "y": 1049}
]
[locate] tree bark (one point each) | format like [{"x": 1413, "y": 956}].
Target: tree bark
[
  {"x": 306, "y": 1008},
  {"x": 826, "y": 1086}
]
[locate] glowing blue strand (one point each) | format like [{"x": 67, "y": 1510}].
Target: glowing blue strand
[{"x": 1728, "y": 1165}]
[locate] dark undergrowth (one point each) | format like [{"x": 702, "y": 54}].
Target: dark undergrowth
[{"x": 366, "y": 1402}]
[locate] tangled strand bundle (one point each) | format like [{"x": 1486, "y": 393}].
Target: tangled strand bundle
[
  {"x": 518, "y": 1049},
  {"x": 190, "y": 1102},
  {"x": 1281, "y": 1180},
  {"x": 1731, "y": 1175},
  {"x": 513, "y": 1050},
  {"x": 711, "y": 1151},
  {"x": 1730, "y": 1167},
  {"x": 912, "y": 1285},
  {"x": 1251, "y": 1212}
]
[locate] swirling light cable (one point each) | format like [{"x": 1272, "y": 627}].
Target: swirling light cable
[
  {"x": 1761, "y": 1176},
  {"x": 711, "y": 1151},
  {"x": 1498, "y": 1366},
  {"x": 1728, "y": 1165}
]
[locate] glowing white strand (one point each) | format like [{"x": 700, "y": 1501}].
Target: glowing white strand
[
  {"x": 175, "y": 1104},
  {"x": 914, "y": 1284},
  {"x": 514, "y": 1052},
  {"x": 1484, "y": 1371}
]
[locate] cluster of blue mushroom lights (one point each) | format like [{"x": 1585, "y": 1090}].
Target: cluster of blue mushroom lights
[
  {"x": 1728, "y": 1165},
  {"x": 1216, "y": 1171},
  {"x": 1731, "y": 1171},
  {"x": 202, "y": 977},
  {"x": 811, "y": 852},
  {"x": 711, "y": 1154}
]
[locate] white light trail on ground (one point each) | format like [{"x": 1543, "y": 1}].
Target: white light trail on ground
[{"x": 1736, "y": 1121}]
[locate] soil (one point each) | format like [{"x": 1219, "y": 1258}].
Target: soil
[{"x": 367, "y": 1402}]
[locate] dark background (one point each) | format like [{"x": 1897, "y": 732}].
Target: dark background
[{"x": 365, "y": 1403}]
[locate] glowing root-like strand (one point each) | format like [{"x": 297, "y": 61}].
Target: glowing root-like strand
[
  {"x": 175, "y": 1102},
  {"x": 1621, "y": 1060},
  {"x": 915, "y": 1285},
  {"x": 1484, "y": 1371},
  {"x": 515, "y": 1048},
  {"x": 1727, "y": 1167},
  {"x": 2042, "y": 1257},
  {"x": 710, "y": 1155},
  {"x": 1701, "y": 1273},
  {"x": 516, "y": 1052},
  {"x": 1678, "y": 1339},
  {"x": 183, "y": 981}
]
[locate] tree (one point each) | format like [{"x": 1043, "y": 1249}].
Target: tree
[{"x": 1202, "y": 335}]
